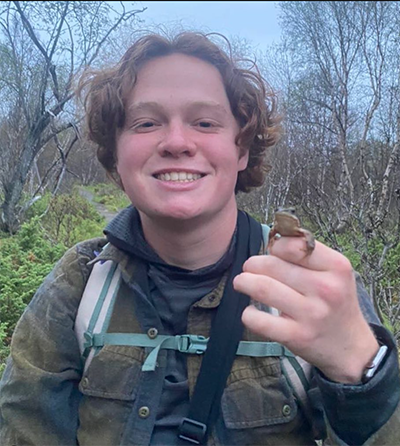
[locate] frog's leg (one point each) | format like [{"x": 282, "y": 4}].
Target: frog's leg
[{"x": 310, "y": 240}]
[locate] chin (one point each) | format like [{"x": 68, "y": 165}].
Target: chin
[
  {"x": 181, "y": 214},
  {"x": 170, "y": 213}
]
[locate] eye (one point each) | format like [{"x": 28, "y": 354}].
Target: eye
[
  {"x": 205, "y": 124},
  {"x": 146, "y": 124}
]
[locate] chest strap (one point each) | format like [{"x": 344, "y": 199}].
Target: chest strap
[{"x": 192, "y": 344}]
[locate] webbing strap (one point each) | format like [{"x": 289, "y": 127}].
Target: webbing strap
[
  {"x": 259, "y": 349},
  {"x": 265, "y": 235},
  {"x": 300, "y": 372},
  {"x": 298, "y": 381},
  {"x": 226, "y": 333},
  {"x": 191, "y": 344},
  {"x": 98, "y": 307}
]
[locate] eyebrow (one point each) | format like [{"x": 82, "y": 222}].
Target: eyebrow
[
  {"x": 143, "y": 106},
  {"x": 155, "y": 106},
  {"x": 208, "y": 104}
]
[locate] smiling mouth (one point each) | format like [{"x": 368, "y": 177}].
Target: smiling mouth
[{"x": 183, "y": 177}]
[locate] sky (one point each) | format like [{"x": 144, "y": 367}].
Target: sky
[{"x": 257, "y": 22}]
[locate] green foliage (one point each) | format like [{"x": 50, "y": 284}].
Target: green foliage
[
  {"x": 346, "y": 243},
  {"x": 392, "y": 265},
  {"x": 27, "y": 257},
  {"x": 70, "y": 218},
  {"x": 39, "y": 207},
  {"x": 352, "y": 246},
  {"x": 114, "y": 199},
  {"x": 4, "y": 347}
]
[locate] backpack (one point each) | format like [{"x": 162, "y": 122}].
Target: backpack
[{"x": 94, "y": 314}]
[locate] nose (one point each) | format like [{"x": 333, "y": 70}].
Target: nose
[{"x": 177, "y": 141}]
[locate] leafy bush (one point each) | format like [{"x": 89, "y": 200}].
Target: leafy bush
[
  {"x": 71, "y": 219},
  {"x": 4, "y": 348},
  {"x": 27, "y": 257},
  {"x": 114, "y": 199}
]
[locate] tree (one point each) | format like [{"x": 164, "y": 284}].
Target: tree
[
  {"x": 44, "y": 46},
  {"x": 337, "y": 74}
]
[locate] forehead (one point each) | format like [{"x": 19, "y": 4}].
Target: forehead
[{"x": 179, "y": 75}]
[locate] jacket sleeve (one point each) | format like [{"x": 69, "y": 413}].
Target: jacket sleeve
[
  {"x": 387, "y": 435},
  {"x": 39, "y": 395},
  {"x": 365, "y": 414}
]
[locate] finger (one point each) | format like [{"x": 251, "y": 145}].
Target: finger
[
  {"x": 323, "y": 258},
  {"x": 272, "y": 293},
  {"x": 275, "y": 328},
  {"x": 303, "y": 280}
]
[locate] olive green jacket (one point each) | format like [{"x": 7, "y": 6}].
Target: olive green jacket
[{"x": 46, "y": 399}]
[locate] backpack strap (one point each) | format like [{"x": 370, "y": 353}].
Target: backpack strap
[
  {"x": 96, "y": 306},
  {"x": 265, "y": 236},
  {"x": 297, "y": 371},
  {"x": 225, "y": 335},
  {"x": 186, "y": 343}
]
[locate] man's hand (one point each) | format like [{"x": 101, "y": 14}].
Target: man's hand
[{"x": 320, "y": 318}]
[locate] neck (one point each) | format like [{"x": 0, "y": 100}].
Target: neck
[{"x": 190, "y": 244}]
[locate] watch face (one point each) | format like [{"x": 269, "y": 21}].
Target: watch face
[{"x": 373, "y": 366}]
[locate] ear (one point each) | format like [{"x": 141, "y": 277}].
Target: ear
[{"x": 243, "y": 159}]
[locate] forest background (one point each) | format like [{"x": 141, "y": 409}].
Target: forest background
[{"x": 336, "y": 71}]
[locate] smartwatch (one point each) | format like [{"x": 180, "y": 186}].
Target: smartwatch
[{"x": 372, "y": 367}]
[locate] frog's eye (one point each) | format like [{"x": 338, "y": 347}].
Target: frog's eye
[{"x": 292, "y": 210}]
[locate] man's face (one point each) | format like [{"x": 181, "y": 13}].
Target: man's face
[{"x": 177, "y": 156}]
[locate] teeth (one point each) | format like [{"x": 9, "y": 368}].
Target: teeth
[{"x": 178, "y": 176}]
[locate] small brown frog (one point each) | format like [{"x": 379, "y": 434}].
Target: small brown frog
[{"x": 287, "y": 224}]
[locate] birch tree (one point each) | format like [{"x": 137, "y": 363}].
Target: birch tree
[
  {"x": 337, "y": 71},
  {"x": 44, "y": 46}
]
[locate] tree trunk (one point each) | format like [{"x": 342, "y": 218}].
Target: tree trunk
[{"x": 9, "y": 221}]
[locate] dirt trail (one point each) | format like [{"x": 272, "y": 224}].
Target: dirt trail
[{"x": 101, "y": 209}]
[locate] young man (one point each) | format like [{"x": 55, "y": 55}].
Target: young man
[{"x": 180, "y": 127}]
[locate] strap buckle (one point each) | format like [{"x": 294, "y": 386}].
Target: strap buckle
[
  {"x": 192, "y": 431},
  {"x": 192, "y": 344},
  {"x": 88, "y": 339}
]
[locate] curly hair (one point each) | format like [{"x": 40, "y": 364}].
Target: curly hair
[{"x": 252, "y": 101}]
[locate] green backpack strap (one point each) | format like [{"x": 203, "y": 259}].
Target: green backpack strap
[
  {"x": 96, "y": 306},
  {"x": 186, "y": 343}
]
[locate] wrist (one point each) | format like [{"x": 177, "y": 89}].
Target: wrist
[{"x": 352, "y": 363}]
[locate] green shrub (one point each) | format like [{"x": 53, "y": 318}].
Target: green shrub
[
  {"x": 110, "y": 196},
  {"x": 4, "y": 346},
  {"x": 27, "y": 257},
  {"x": 71, "y": 219}
]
